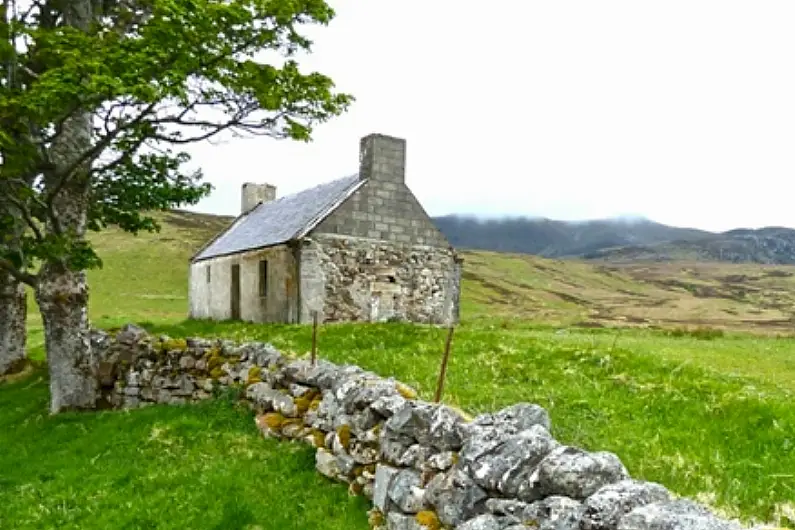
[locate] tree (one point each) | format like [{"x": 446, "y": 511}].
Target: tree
[{"x": 109, "y": 91}]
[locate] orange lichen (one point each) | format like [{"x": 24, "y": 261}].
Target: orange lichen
[{"x": 429, "y": 520}]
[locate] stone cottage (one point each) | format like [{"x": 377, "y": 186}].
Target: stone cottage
[{"x": 360, "y": 248}]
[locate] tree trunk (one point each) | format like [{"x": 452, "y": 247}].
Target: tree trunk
[
  {"x": 13, "y": 313},
  {"x": 63, "y": 299}
]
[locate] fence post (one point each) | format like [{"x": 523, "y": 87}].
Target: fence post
[
  {"x": 443, "y": 370},
  {"x": 314, "y": 337}
]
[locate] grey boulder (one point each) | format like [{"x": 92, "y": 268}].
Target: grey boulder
[{"x": 604, "y": 509}]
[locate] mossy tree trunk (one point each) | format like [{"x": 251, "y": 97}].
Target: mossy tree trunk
[{"x": 63, "y": 299}]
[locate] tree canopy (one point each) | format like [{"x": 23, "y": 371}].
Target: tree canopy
[{"x": 155, "y": 75}]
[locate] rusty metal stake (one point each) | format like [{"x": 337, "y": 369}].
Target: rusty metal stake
[
  {"x": 314, "y": 337},
  {"x": 443, "y": 371}
]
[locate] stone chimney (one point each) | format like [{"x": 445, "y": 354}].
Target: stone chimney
[
  {"x": 253, "y": 194},
  {"x": 382, "y": 158}
]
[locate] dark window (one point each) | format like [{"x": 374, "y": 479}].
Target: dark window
[
  {"x": 263, "y": 278},
  {"x": 208, "y": 274}
]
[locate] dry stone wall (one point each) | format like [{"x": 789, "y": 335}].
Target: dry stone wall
[{"x": 424, "y": 465}]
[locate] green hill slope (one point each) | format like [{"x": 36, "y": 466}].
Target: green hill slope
[{"x": 145, "y": 279}]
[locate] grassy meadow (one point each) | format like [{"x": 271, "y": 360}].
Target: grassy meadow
[{"x": 686, "y": 371}]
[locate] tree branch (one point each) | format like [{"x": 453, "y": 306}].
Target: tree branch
[
  {"x": 22, "y": 276},
  {"x": 25, "y": 212}
]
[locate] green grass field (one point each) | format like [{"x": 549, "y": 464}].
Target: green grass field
[{"x": 709, "y": 415}]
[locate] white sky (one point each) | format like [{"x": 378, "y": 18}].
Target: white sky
[{"x": 682, "y": 111}]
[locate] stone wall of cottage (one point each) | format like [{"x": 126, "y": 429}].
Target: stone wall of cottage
[
  {"x": 423, "y": 465},
  {"x": 359, "y": 279}
]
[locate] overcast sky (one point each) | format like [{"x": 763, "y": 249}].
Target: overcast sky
[{"x": 681, "y": 111}]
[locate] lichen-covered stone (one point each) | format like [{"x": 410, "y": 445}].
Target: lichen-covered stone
[
  {"x": 267, "y": 399},
  {"x": 392, "y": 449},
  {"x": 363, "y": 453},
  {"x": 674, "y": 515},
  {"x": 575, "y": 473},
  {"x": 388, "y": 406},
  {"x": 130, "y": 334},
  {"x": 509, "y": 508},
  {"x": 414, "y": 456},
  {"x": 445, "y": 429},
  {"x": 441, "y": 461},
  {"x": 506, "y": 466},
  {"x": 362, "y": 391},
  {"x": 322, "y": 375},
  {"x": 262, "y": 355},
  {"x": 187, "y": 362},
  {"x": 346, "y": 464},
  {"x": 412, "y": 420},
  {"x": 383, "y": 479},
  {"x": 326, "y": 463},
  {"x": 364, "y": 420},
  {"x": 517, "y": 417},
  {"x": 405, "y": 490},
  {"x": 399, "y": 521},
  {"x": 605, "y": 508},
  {"x": 455, "y": 497},
  {"x": 554, "y": 513},
  {"x": 298, "y": 391},
  {"x": 185, "y": 386},
  {"x": 483, "y": 522}
]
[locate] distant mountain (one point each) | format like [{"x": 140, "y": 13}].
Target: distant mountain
[{"x": 622, "y": 239}]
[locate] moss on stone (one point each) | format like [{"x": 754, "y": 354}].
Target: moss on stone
[
  {"x": 429, "y": 520},
  {"x": 370, "y": 468},
  {"x": 318, "y": 438},
  {"x": 174, "y": 344},
  {"x": 302, "y": 404},
  {"x": 274, "y": 420},
  {"x": 254, "y": 374},
  {"x": 355, "y": 489},
  {"x": 292, "y": 421},
  {"x": 344, "y": 436},
  {"x": 315, "y": 403},
  {"x": 214, "y": 358},
  {"x": 376, "y": 519},
  {"x": 216, "y": 373},
  {"x": 406, "y": 391}
]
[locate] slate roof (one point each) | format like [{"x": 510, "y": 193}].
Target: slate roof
[{"x": 275, "y": 222}]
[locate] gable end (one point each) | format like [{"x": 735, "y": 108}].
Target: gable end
[{"x": 385, "y": 211}]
